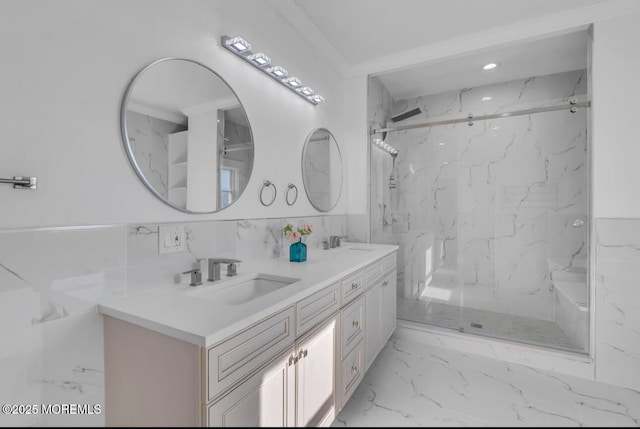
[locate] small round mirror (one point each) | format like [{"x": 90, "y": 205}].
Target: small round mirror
[
  {"x": 187, "y": 135},
  {"x": 322, "y": 170}
]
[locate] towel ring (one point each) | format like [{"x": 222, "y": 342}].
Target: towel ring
[
  {"x": 290, "y": 187},
  {"x": 266, "y": 184}
]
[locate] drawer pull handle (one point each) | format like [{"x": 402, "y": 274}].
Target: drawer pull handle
[
  {"x": 356, "y": 324},
  {"x": 354, "y": 286},
  {"x": 302, "y": 354},
  {"x": 354, "y": 369}
]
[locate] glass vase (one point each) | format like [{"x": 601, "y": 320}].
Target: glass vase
[{"x": 298, "y": 251}]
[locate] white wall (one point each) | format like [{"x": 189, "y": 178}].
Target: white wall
[
  {"x": 66, "y": 66},
  {"x": 616, "y": 136}
]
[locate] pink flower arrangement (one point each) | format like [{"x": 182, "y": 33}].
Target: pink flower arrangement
[{"x": 294, "y": 234}]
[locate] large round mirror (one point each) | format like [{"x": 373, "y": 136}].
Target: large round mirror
[
  {"x": 322, "y": 170},
  {"x": 187, "y": 135}
]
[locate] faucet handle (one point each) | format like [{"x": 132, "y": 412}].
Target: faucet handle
[{"x": 196, "y": 276}]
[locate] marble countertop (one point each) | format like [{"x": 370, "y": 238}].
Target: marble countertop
[{"x": 174, "y": 310}]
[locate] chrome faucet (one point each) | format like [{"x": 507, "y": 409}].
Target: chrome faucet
[
  {"x": 334, "y": 240},
  {"x": 214, "y": 267}
]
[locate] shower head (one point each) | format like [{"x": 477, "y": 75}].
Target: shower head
[{"x": 406, "y": 115}]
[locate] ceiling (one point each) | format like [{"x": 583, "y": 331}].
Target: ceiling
[
  {"x": 535, "y": 58},
  {"x": 351, "y": 33}
]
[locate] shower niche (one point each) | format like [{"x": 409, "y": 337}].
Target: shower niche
[{"x": 487, "y": 192}]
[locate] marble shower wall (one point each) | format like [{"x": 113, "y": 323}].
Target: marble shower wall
[
  {"x": 52, "y": 279},
  {"x": 480, "y": 208},
  {"x": 148, "y": 137}
]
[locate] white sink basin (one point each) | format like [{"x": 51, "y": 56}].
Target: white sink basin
[{"x": 243, "y": 289}]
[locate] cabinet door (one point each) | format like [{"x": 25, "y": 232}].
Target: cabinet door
[
  {"x": 265, "y": 399},
  {"x": 372, "y": 323},
  {"x": 388, "y": 305},
  {"x": 316, "y": 377}
]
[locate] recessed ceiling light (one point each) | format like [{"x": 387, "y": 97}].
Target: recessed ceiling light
[
  {"x": 490, "y": 66},
  {"x": 441, "y": 144},
  {"x": 486, "y": 98},
  {"x": 496, "y": 127}
]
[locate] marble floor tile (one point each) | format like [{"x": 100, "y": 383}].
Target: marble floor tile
[{"x": 412, "y": 384}]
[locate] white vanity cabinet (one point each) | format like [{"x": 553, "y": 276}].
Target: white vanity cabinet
[
  {"x": 295, "y": 389},
  {"x": 295, "y": 367},
  {"x": 380, "y": 306}
]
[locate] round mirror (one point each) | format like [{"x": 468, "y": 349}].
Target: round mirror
[
  {"x": 187, "y": 135},
  {"x": 322, "y": 170}
]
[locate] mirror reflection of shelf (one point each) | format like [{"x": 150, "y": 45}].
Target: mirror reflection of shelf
[
  {"x": 238, "y": 146},
  {"x": 178, "y": 163}
]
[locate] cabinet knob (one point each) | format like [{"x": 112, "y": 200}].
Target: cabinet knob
[
  {"x": 302, "y": 353},
  {"x": 293, "y": 359},
  {"x": 354, "y": 369},
  {"x": 354, "y": 286},
  {"x": 356, "y": 323}
]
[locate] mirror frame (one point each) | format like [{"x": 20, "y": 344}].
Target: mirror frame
[
  {"x": 304, "y": 182},
  {"x": 129, "y": 149}
]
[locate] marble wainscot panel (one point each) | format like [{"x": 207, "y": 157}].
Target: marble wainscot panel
[
  {"x": 246, "y": 240},
  {"x": 480, "y": 208},
  {"x": 412, "y": 384},
  {"x": 617, "y": 301},
  {"x": 51, "y": 334}
]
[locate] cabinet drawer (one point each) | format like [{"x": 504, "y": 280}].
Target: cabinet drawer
[
  {"x": 261, "y": 400},
  {"x": 238, "y": 356},
  {"x": 352, "y": 373},
  {"x": 316, "y": 308},
  {"x": 352, "y": 286},
  {"x": 375, "y": 270},
  {"x": 352, "y": 326},
  {"x": 388, "y": 262}
]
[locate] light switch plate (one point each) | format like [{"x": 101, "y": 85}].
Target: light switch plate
[{"x": 171, "y": 239}]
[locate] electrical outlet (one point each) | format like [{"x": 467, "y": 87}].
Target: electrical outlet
[{"x": 171, "y": 239}]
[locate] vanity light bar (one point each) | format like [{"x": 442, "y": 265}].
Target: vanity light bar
[{"x": 242, "y": 49}]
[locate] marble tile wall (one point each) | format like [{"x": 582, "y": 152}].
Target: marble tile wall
[
  {"x": 242, "y": 160},
  {"x": 617, "y": 301},
  {"x": 51, "y": 281},
  {"x": 488, "y": 203},
  {"x": 148, "y": 137}
]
